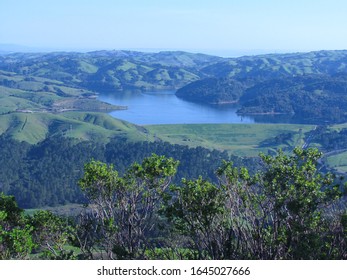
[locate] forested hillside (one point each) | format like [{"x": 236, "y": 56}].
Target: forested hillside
[
  {"x": 46, "y": 174},
  {"x": 309, "y": 98},
  {"x": 213, "y": 91},
  {"x": 309, "y": 86}
]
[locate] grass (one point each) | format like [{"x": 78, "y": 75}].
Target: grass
[
  {"x": 35, "y": 127},
  {"x": 126, "y": 66},
  {"x": 64, "y": 210},
  {"x": 87, "y": 67},
  {"x": 338, "y": 127},
  {"x": 338, "y": 162},
  {"x": 13, "y": 103},
  {"x": 238, "y": 139},
  {"x": 24, "y": 127}
]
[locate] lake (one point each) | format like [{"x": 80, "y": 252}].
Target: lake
[{"x": 164, "y": 107}]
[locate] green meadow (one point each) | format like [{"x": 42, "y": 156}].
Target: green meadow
[{"x": 238, "y": 139}]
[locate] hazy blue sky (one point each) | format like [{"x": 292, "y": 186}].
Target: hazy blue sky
[{"x": 197, "y": 25}]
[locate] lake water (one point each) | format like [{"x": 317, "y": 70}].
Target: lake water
[{"x": 163, "y": 107}]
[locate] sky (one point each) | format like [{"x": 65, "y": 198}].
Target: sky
[{"x": 216, "y": 26}]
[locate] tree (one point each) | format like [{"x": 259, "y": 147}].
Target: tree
[
  {"x": 119, "y": 219},
  {"x": 53, "y": 233},
  {"x": 196, "y": 210},
  {"x": 283, "y": 212},
  {"x": 16, "y": 240},
  {"x": 287, "y": 211},
  {"x": 300, "y": 198},
  {"x": 22, "y": 235}
]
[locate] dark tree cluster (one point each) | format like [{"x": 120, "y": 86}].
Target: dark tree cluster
[
  {"x": 213, "y": 91},
  {"x": 311, "y": 98},
  {"x": 45, "y": 174},
  {"x": 331, "y": 140}
]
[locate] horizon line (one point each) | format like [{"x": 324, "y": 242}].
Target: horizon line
[{"x": 225, "y": 53}]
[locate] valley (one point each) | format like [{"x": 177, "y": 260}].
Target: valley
[{"x": 64, "y": 102}]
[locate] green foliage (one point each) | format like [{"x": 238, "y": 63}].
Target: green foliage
[
  {"x": 196, "y": 209},
  {"x": 299, "y": 195},
  {"x": 289, "y": 210},
  {"x": 284, "y": 212},
  {"x": 99, "y": 181},
  {"x": 16, "y": 243},
  {"x": 43, "y": 235},
  {"x": 154, "y": 170},
  {"x": 53, "y": 234},
  {"x": 121, "y": 216},
  {"x": 16, "y": 240},
  {"x": 11, "y": 213},
  {"x": 171, "y": 254}
]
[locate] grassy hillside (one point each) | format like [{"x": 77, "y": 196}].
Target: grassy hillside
[
  {"x": 33, "y": 108},
  {"x": 238, "y": 139},
  {"x": 31, "y": 93},
  {"x": 35, "y": 127},
  {"x": 338, "y": 162}
]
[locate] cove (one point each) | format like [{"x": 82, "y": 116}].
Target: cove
[{"x": 164, "y": 107}]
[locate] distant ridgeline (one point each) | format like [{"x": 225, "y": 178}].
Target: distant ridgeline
[
  {"x": 310, "y": 86},
  {"x": 108, "y": 70}
]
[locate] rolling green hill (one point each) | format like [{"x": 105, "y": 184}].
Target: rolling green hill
[
  {"x": 111, "y": 70},
  {"x": 35, "y": 127}
]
